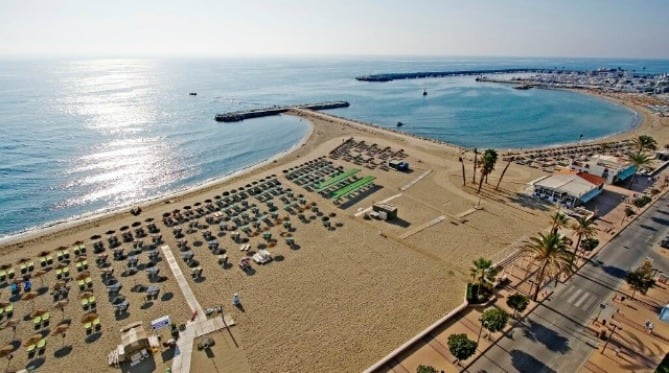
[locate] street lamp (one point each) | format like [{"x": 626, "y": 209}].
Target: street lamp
[
  {"x": 602, "y": 306},
  {"x": 481, "y": 329},
  {"x": 529, "y": 293},
  {"x": 611, "y": 336}
]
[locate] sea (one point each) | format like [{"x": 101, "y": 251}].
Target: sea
[{"x": 83, "y": 136}]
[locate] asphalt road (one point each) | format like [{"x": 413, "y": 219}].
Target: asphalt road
[{"x": 554, "y": 338}]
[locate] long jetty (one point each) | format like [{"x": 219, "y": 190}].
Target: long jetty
[
  {"x": 276, "y": 110},
  {"x": 441, "y": 74}
]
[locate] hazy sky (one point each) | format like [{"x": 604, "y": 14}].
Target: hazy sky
[{"x": 569, "y": 28}]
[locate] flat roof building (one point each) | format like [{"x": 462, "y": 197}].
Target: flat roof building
[{"x": 569, "y": 190}]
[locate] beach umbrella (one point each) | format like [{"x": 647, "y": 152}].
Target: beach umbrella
[
  {"x": 6, "y": 350},
  {"x": 61, "y": 329},
  {"x": 32, "y": 340},
  {"x": 60, "y": 305},
  {"x": 197, "y": 204},
  {"x": 59, "y": 284},
  {"x": 166, "y": 214},
  {"x": 30, "y": 296},
  {"x": 207, "y": 200},
  {"x": 36, "y": 313},
  {"x": 40, "y": 274},
  {"x": 148, "y": 220},
  {"x": 95, "y": 237},
  {"x": 124, "y": 228},
  {"x": 83, "y": 275},
  {"x": 110, "y": 232},
  {"x": 136, "y": 224},
  {"x": 187, "y": 207},
  {"x": 9, "y": 323},
  {"x": 89, "y": 317}
]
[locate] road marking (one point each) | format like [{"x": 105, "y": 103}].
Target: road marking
[
  {"x": 589, "y": 303},
  {"x": 573, "y": 297},
  {"x": 582, "y": 298}
]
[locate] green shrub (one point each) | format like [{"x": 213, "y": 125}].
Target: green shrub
[
  {"x": 426, "y": 369},
  {"x": 641, "y": 201},
  {"x": 461, "y": 347},
  {"x": 589, "y": 244},
  {"x": 518, "y": 302}
]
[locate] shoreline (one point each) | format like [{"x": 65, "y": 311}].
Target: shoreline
[{"x": 31, "y": 233}]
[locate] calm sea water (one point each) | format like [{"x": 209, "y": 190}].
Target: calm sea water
[{"x": 82, "y": 136}]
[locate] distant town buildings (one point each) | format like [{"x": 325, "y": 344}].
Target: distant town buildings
[{"x": 608, "y": 80}]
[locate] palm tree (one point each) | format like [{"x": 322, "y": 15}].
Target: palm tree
[
  {"x": 645, "y": 142},
  {"x": 551, "y": 253},
  {"x": 483, "y": 273},
  {"x": 511, "y": 159},
  {"x": 488, "y": 160},
  {"x": 639, "y": 160},
  {"x": 583, "y": 227},
  {"x": 476, "y": 158},
  {"x": 464, "y": 179},
  {"x": 560, "y": 220}
]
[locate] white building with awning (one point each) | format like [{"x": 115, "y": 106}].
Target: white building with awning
[{"x": 569, "y": 190}]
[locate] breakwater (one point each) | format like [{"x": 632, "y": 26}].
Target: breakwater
[
  {"x": 441, "y": 74},
  {"x": 276, "y": 110}
]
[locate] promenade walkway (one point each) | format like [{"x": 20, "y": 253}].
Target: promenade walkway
[{"x": 198, "y": 326}]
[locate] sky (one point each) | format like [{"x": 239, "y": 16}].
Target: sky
[{"x": 522, "y": 28}]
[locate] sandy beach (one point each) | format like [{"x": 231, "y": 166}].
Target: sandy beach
[{"x": 338, "y": 300}]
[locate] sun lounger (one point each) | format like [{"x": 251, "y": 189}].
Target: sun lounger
[
  {"x": 96, "y": 324},
  {"x": 41, "y": 345}
]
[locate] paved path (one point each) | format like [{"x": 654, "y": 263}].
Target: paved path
[
  {"x": 414, "y": 181},
  {"x": 183, "y": 284},
  {"x": 423, "y": 226},
  {"x": 182, "y": 359}
]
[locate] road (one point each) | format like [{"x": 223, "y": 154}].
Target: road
[{"x": 554, "y": 338}]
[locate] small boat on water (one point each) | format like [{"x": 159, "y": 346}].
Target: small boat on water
[
  {"x": 400, "y": 124},
  {"x": 424, "y": 93},
  {"x": 523, "y": 87},
  {"x": 193, "y": 94}
]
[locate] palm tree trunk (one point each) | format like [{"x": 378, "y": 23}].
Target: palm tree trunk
[
  {"x": 476, "y": 156},
  {"x": 578, "y": 242},
  {"x": 539, "y": 280},
  {"x": 483, "y": 175},
  {"x": 464, "y": 179},
  {"x": 502, "y": 176}
]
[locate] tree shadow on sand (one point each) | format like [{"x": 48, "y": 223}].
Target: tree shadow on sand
[
  {"x": 531, "y": 203},
  {"x": 548, "y": 337}
]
